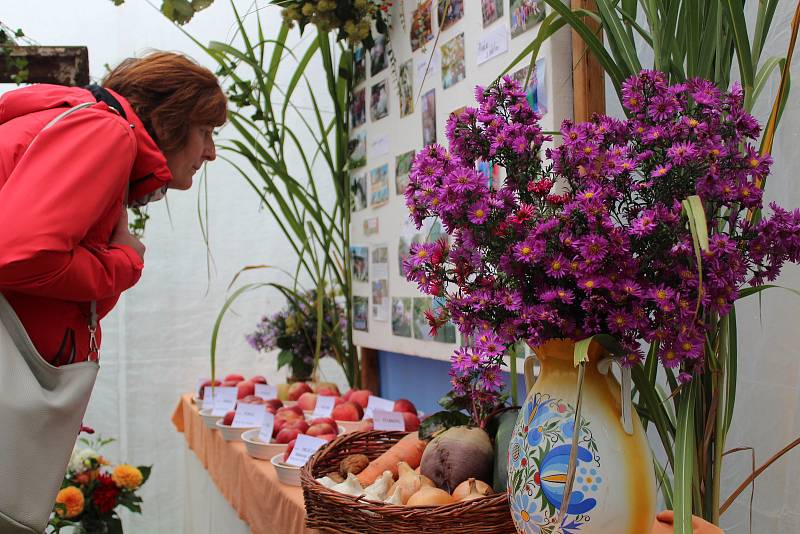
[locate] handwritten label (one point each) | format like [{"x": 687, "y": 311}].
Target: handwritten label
[
  {"x": 267, "y": 424},
  {"x": 379, "y": 147},
  {"x": 324, "y": 406},
  {"x": 266, "y": 392},
  {"x": 223, "y": 400},
  {"x": 248, "y": 416},
  {"x": 383, "y": 420},
  {"x": 377, "y": 403},
  {"x": 304, "y": 448},
  {"x": 492, "y": 44}
]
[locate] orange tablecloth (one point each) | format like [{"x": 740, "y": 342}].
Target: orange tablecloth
[{"x": 249, "y": 485}]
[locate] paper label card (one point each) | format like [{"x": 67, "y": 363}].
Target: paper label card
[
  {"x": 492, "y": 44},
  {"x": 266, "y": 392},
  {"x": 324, "y": 406},
  {"x": 304, "y": 448},
  {"x": 377, "y": 403},
  {"x": 248, "y": 416},
  {"x": 223, "y": 400},
  {"x": 267, "y": 424},
  {"x": 383, "y": 420}
]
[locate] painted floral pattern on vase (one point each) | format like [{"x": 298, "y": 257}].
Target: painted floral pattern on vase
[{"x": 538, "y": 460}]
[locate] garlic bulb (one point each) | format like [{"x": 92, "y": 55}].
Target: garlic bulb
[
  {"x": 377, "y": 490},
  {"x": 328, "y": 482},
  {"x": 351, "y": 486},
  {"x": 395, "y": 497}
]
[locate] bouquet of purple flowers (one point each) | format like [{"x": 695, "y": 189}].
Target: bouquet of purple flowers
[{"x": 647, "y": 229}]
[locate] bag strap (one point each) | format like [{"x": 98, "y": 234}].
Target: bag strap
[{"x": 101, "y": 94}]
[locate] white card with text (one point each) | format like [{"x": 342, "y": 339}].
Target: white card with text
[
  {"x": 377, "y": 403},
  {"x": 266, "y": 392},
  {"x": 223, "y": 400},
  {"x": 324, "y": 407},
  {"x": 304, "y": 448},
  {"x": 383, "y": 420},
  {"x": 268, "y": 423},
  {"x": 248, "y": 416},
  {"x": 492, "y": 44}
]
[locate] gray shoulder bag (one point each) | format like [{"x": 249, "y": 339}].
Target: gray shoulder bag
[{"x": 41, "y": 409}]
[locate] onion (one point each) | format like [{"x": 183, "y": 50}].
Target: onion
[
  {"x": 427, "y": 496},
  {"x": 471, "y": 489}
]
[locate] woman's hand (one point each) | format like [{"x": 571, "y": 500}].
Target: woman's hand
[{"x": 123, "y": 236}]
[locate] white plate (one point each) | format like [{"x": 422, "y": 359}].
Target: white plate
[
  {"x": 210, "y": 420},
  {"x": 258, "y": 449},
  {"x": 287, "y": 474},
  {"x": 232, "y": 433}
]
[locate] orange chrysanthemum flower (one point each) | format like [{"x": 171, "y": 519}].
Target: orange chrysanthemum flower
[
  {"x": 72, "y": 499},
  {"x": 126, "y": 476}
]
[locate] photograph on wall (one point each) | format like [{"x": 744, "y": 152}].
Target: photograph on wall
[
  {"x": 491, "y": 172},
  {"x": 406, "y": 88},
  {"x": 360, "y": 313},
  {"x": 359, "y": 258},
  {"x": 429, "y": 117},
  {"x": 446, "y": 333},
  {"x": 379, "y": 186},
  {"x": 379, "y": 101},
  {"x": 525, "y": 14},
  {"x": 358, "y": 156},
  {"x": 422, "y": 25},
  {"x": 492, "y": 10},
  {"x": 371, "y": 226},
  {"x": 358, "y": 191},
  {"x": 381, "y": 307},
  {"x": 402, "y": 168},
  {"x": 359, "y": 64},
  {"x": 536, "y": 90},
  {"x": 358, "y": 108},
  {"x": 453, "y": 69},
  {"x": 377, "y": 55},
  {"x": 422, "y": 329},
  {"x": 454, "y": 13},
  {"x": 401, "y": 316}
]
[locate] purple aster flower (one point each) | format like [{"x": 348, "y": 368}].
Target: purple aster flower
[{"x": 478, "y": 212}]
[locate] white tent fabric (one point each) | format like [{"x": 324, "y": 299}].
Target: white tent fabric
[{"x": 157, "y": 339}]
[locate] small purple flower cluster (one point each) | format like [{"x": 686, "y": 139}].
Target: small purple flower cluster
[{"x": 594, "y": 238}]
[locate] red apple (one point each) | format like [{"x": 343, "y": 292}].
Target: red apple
[
  {"x": 411, "y": 420},
  {"x": 234, "y": 377},
  {"x": 258, "y": 379},
  {"x": 360, "y": 397},
  {"x": 297, "y": 424},
  {"x": 230, "y": 383},
  {"x": 269, "y": 408},
  {"x": 346, "y": 396},
  {"x": 338, "y": 401},
  {"x": 323, "y": 420},
  {"x": 289, "y": 450},
  {"x": 245, "y": 388},
  {"x": 327, "y": 437},
  {"x": 405, "y": 405},
  {"x": 205, "y": 384},
  {"x": 228, "y": 419},
  {"x": 307, "y": 401},
  {"x": 294, "y": 409},
  {"x": 297, "y": 389},
  {"x": 286, "y": 435},
  {"x": 328, "y": 389},
  {"x": 347, "y": 411},
  {"x": 321, "y": 429},
  {"x": 274, "y": 404},
  {"x": 252, "y": 399}
]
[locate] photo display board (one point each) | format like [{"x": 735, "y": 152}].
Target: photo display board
[{"x": 407, "y": 86}]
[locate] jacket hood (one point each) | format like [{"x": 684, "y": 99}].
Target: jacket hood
[{"x": 149, "y": 175}]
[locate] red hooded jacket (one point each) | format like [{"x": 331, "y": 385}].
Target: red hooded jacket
[{"x": 60, "y": 200}]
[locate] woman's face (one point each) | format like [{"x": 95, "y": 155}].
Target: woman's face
[{"x": 186, "y": 161}]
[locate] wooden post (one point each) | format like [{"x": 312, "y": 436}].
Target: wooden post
[
  {"x": 61, "y": 65},
  {"x": 588, "y": 77},
  {"x": 370, "y": 370}
]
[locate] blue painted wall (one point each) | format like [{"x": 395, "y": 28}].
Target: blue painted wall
[{"x": 421, "y": 380}]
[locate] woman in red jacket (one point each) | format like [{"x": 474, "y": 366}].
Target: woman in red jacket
[{"x": 64, "y": 239}]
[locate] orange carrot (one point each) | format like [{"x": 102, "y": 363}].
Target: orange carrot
[{"x": 409, "y": 450}]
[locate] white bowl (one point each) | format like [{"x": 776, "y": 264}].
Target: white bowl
[
  {"x": 210, "y": 420},
  {"x": 287, "y": 474},
  {"x": 232, "y": 433},
  {"x": 258, "y": 449}
]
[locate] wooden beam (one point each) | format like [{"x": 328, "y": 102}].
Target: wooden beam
[
  {"x": 370, "y": 371},
  {"x": 588, "y": 78},
  {"x": 61, "y": 65}
]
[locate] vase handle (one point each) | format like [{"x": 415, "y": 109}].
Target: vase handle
[{"x": 530, "y": 378}]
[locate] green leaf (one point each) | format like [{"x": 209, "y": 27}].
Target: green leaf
[
  {"x": 145, "y": 470},
  {"x": 610, "y": 343},
  {"x": 453, "y": 402},
  {"x": 439, "y": 422},
  {"x": 734, "y": 12},
  {"x": 285, "y": 358},
  {"x": 747, "y": 291},
  {"x": 685, "y": 455}
]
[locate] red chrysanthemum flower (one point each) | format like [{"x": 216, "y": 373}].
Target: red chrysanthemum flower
[{"x": 105, "y": 494}]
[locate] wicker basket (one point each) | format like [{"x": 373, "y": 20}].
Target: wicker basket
[{"x": 331, "y": 511}]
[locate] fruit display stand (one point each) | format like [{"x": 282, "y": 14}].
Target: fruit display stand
[
  {"x": 331, "y": 511},
  {"x": 251, "y": 486}
]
